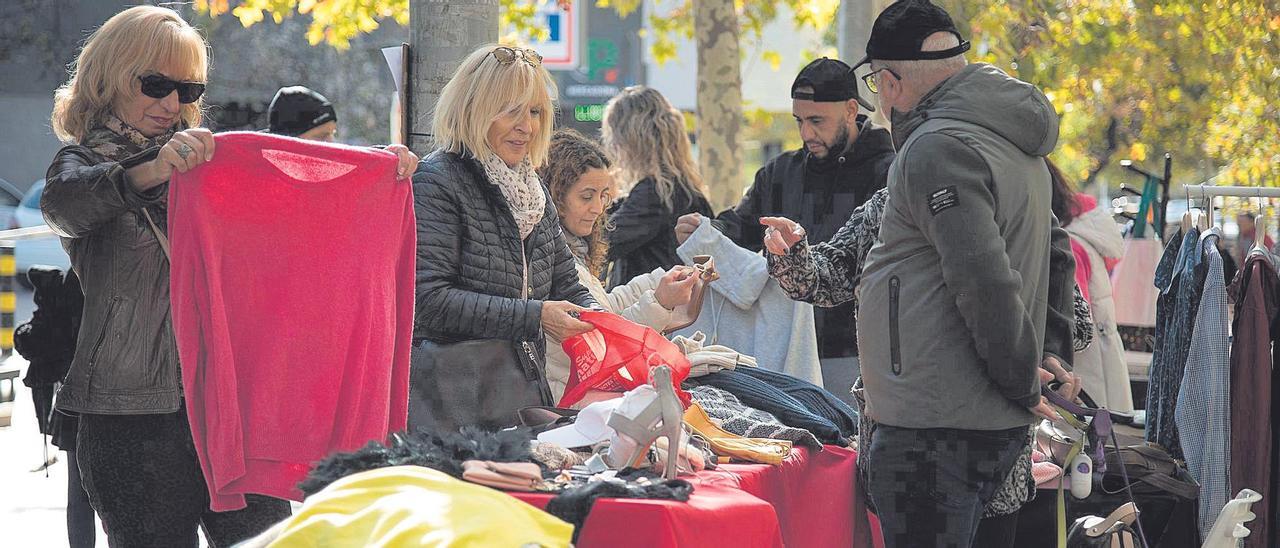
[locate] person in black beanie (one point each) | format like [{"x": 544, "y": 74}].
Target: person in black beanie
[{"x": 298, "y": 111}]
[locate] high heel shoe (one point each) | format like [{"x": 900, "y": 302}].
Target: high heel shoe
[
  {"x": 659, "y": 417},
  {"x": 686, "y": 314},
  {"x": 672, "y": 418},
  {"x": 634, "y": 431},
  {"x": 728, "y": 444}
]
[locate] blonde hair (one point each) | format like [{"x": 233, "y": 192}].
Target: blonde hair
[
  {"x": 130, "y": 44},
  {"x": 645, "y": 136},
  {"x": 481, "y": 90}
]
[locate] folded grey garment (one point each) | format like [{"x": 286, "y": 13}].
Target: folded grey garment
[{"x": 737, "y": 418}]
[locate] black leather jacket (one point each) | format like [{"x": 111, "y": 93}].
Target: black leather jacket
[
  {"x": 126, "y": 359},
  {"x": 470, "y": 256}
]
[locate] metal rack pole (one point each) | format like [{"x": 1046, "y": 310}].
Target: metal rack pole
[{"x": 1235, "y": 191}]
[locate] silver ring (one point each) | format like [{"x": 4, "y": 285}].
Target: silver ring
[{"x": 184, "y": 150}]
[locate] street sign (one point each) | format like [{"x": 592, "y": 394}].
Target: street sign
[{"x": 560, "y": 51}]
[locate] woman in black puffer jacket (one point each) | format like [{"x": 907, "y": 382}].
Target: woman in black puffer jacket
[{"x": 494, "y": 272}]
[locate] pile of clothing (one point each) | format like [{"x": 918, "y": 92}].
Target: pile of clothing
[{"x": 629, "y": 446}]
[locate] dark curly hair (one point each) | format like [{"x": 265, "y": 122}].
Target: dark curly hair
[{"x": 570, "y": 156}]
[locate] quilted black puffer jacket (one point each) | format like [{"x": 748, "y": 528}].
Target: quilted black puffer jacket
[{"x": 469, "y": 270}]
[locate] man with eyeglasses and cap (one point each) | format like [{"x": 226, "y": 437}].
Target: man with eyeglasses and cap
[
  {"x": 953, "y": 297},
  {"x": 844, "y": 160}
]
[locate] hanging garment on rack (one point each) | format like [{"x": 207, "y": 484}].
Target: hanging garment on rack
[
  {"x": 1245, "y": 243},
  {"x": 1256, "y": 293},
  {"x": 292, "y": 284},
  {"x": 1135, "y": 296},
  {"x": 1203, "y": 413},
  {"x": 1180, "y": 278}
]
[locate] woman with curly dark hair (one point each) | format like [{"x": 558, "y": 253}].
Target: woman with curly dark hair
[{"x": 579, "y": 178}]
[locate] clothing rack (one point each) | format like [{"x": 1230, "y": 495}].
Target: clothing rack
[
  {"x": 1207, "y": 192},
  {"x": 1234, "y": 191}
]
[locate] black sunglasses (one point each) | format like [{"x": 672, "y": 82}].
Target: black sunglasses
[
  {"x": 506, "y": 55},
  {"x": 156, "y": 86}
]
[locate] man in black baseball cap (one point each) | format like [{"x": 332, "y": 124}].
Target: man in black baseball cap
[
  {"x": 901, "y": 29},
  {"x": 298, "y": 111},
  {"x": 843, "y": 161},
  {"x": 954, "y": 299}
]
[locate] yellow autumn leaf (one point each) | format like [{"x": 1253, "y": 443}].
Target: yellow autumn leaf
[
  {"x": 1138, "y": 151},
  {"x": 248, "y": 16},
  {"x": 773, "y": 58}
]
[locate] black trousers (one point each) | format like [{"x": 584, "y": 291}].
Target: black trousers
[
  {"x": 930, "y": 486},
  {"x": 81, "y": 531},
  {"x": 143, "y": 478},
  {"x": 997, "y": 531}
]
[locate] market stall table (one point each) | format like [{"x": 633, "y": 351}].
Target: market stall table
[{"x": 805, "y": 501}]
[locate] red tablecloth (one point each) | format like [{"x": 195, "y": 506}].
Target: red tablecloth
[{"x": 805, "y": 501}]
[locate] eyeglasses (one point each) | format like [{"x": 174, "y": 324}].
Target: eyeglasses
[
  {"x": 870, "y": 79},
  {"x": 506, "y": 55},
  {"x": 156, "y": 86}
]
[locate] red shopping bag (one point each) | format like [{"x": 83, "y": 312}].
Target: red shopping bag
[{"x": 617, "y": 355}]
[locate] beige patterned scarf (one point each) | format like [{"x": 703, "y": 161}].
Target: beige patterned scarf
[
  {"x": 115, "y": 140},
  {"x": 522, "y": 190}
]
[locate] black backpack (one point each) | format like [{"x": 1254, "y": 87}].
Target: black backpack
[{"x": 48, "y": 341}]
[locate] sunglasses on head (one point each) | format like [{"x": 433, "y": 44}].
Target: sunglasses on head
[
  {"x": 156, "y": 86},
  {"x": 506, "y": 55}
]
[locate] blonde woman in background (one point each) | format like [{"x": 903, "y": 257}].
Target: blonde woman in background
[{"x": 646, "y": 138}]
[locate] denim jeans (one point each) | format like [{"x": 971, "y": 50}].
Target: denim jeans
[{"x": 929, "y": 486}]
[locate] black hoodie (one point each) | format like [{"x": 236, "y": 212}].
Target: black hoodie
[{"x": 820, "y": 195}]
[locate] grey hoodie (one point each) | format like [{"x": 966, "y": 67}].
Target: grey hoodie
[{"x": 954, "y": 296}]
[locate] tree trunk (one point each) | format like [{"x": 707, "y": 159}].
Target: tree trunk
[
  {"x": 855, "y": 19},
  {"x": 441, "y": 34},
  {"x": 1102, "y": 158},
  {"x": 719, "y": 100}
]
